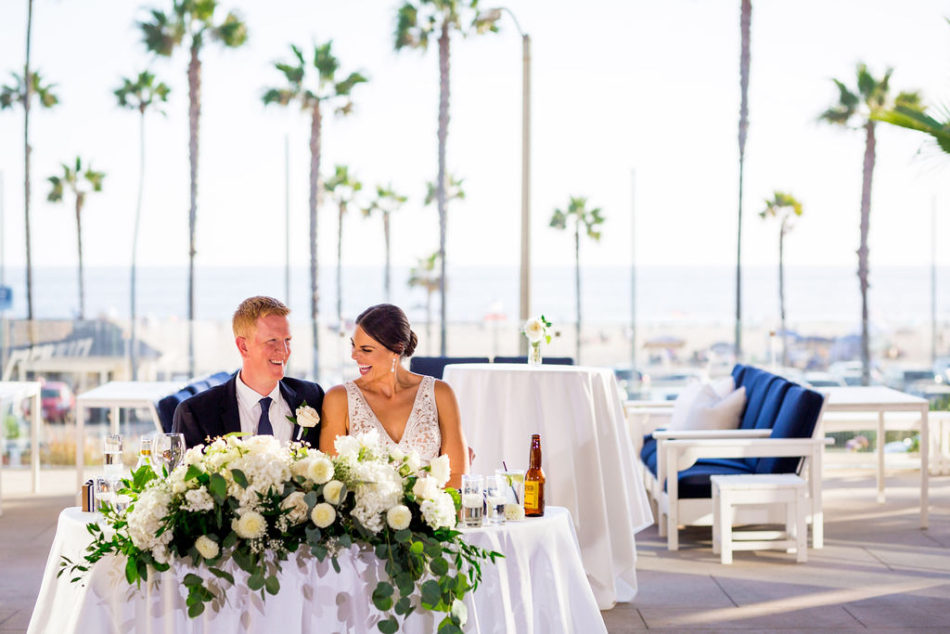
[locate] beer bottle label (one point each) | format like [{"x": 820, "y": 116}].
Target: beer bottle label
[{"x": 531, "y": 494}]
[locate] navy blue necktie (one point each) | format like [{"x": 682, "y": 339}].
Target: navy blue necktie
[{"x": 263, "y": 425}]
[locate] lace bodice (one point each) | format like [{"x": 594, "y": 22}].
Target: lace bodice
[{"x": 421, "y": 433}]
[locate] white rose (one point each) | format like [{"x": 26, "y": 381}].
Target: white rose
[
  {"x": 307, "y": 416},
  {"x": 320, "y": 471},
  {"x": 297, "y": 507},
  {"x": 323, "y": 515},
  {"x": 514, "y": 512},
  {"x": 332, "y": 490},
  {"x": 425, "y": 488},
  {"x": 414, "y": 462},
  {"x": 534, "y": 330},
  {"x": 397, "y": 454},
  {"x": 398, "y": 517},
  {"x": 207, "y": 547},
  {"x": 439, "y": 469},
  {"x": 250, "y": 525}
]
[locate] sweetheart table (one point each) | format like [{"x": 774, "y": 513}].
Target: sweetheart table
[
  {"x": 588, "y": 459},
  {"x": 538, "y": 587}
]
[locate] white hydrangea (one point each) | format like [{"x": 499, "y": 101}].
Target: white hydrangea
[
  {"x": 440, "y": 470},
  {"x": 194, "y": 456},
  {"x": 379, "y": 488},
  {"x": 265, "y": 466},
  {"x": 198, "y": 500},
  {"x": 439, "y": 512},
  {"x": 145, "y": 520}
]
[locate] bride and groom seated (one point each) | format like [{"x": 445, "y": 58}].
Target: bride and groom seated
[{"x": 409, "y": 411}]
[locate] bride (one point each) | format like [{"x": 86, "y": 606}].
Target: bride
[{"x": 410, "y": 411}]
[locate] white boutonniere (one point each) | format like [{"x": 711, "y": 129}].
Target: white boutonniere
[{"x": 306, "y": 416}]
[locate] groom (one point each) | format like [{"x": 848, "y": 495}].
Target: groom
[{"x": 258, "y": 398}]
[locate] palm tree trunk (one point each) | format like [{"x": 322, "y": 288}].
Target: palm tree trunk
[
  {"x": 386, "y": 279},
  {"x": 82, "y": 290},
  {"x": 133, "y": 342},
  {"x": 27, "y": 98},
  {"x": 429, "y": 320},
  {"x": 745, "y": 23},
  {"x": 781, "y": 291},
  {"x": 339, "y": 269},
  {"x": 440, "y": 182},
  {"x": 868, "y": 174},
  {"x": 577, "y": 288},
  {"x": 315, "y": 123},
  {"x": 194, "y": 115}
]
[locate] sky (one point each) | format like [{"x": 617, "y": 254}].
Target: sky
[{"x": 634, "y": 105}]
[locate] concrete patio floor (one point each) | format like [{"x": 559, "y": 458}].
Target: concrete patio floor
[{"x": 878, "y": 571}]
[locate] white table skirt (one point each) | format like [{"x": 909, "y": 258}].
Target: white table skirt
[
  {"x": 587, "y": 455},
  {"x": 538, "y": 587}
]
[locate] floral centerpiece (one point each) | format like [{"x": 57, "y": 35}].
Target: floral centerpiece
[
  {"x": 254, "y": 501},
  {"x": 535, "y": 330}
]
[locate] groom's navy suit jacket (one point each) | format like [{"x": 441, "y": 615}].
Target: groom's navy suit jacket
[{"x": 214, "y": 412}]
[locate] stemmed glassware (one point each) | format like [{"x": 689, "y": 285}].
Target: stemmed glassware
[{"x": 167, "y": 451}]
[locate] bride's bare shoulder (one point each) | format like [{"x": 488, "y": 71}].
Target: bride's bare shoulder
[{"x": 336, "y": 395}]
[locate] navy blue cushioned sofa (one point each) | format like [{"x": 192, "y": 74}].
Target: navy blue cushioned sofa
[{"x": 776, "y": 409}]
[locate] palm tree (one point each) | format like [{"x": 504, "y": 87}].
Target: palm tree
[
  {"x": 342, "y": 189},
  {"x": 386, "y": 202},
  {"x": 21, "y": 92},
  {"x": 589, "y": 219},
  {"x": 745, "y": 25},
  {"x": 192, "y": 23},
  {"x": 80, "y": 181},
  {"x": 425, "y": 275},
  {"x": 786, "y": 208},
  {"x": 858, "y": 106},
  {"x": 140, "y": 94},
  {"x": 326, "y": 90},
  {"x": 918, "y": 119},
  {"x": 416, "y": 22}
]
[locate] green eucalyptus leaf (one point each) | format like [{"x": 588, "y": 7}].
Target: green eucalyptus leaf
[
  {"x": 218, "y": 486},
  {"x": 388, "y": 626},
  {"x": 439, "y": 566},
  {"x": 403, "y": 606},
  {"x": 272, "y": 584},
  {"x": 431, "y": 593},
  {"x": 256, "y": 580},
  {"x": 416, "y": 548}
]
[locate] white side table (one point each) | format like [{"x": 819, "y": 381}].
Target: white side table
[{"x": 729, "y": 491}]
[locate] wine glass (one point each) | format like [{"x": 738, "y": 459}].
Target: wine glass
[{"x": 168, "y": 450}]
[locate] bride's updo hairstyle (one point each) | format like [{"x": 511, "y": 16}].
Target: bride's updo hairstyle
[{"x": 388, "y": 325}]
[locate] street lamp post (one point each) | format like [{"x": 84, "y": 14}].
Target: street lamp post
[{"x": 524, "y": 304}]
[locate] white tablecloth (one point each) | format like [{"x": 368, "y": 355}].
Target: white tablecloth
[
  {"x": 587, "y": 455},
  {"x": 538, "y": 587}
]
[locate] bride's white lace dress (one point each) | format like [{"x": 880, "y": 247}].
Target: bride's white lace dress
[{"x": 421, "y": 433}]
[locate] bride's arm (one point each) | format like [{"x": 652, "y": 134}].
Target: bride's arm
[
  {"x": 333, "y": 419},
  {"x": 450, "y": 425}
]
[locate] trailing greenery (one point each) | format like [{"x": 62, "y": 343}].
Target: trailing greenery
[{"x": 254, "y": 502}]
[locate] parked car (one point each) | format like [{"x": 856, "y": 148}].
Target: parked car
[
  {"x": 58, "y": 401},
  {"x": 910, "y": 378}
]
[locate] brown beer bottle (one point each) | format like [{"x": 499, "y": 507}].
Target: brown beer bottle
[{"x": 534, "y": 481}]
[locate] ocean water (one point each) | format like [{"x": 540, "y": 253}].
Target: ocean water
[{"x": 688, "y": 295}]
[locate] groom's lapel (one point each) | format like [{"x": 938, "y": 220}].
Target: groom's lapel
[
  {"x": 230, "y": 415},
  {"x": 293, "y": 401}
]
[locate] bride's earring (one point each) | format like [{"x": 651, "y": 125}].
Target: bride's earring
[{"x": 393, "y": 370}]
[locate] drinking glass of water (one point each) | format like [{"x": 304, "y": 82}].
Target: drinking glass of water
[
  {"x": 168, "y": 450},
  {"x": 112, "y": 454},
  {"x": 496, "y": 487},
  {"x": 473, "y": 501}
]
